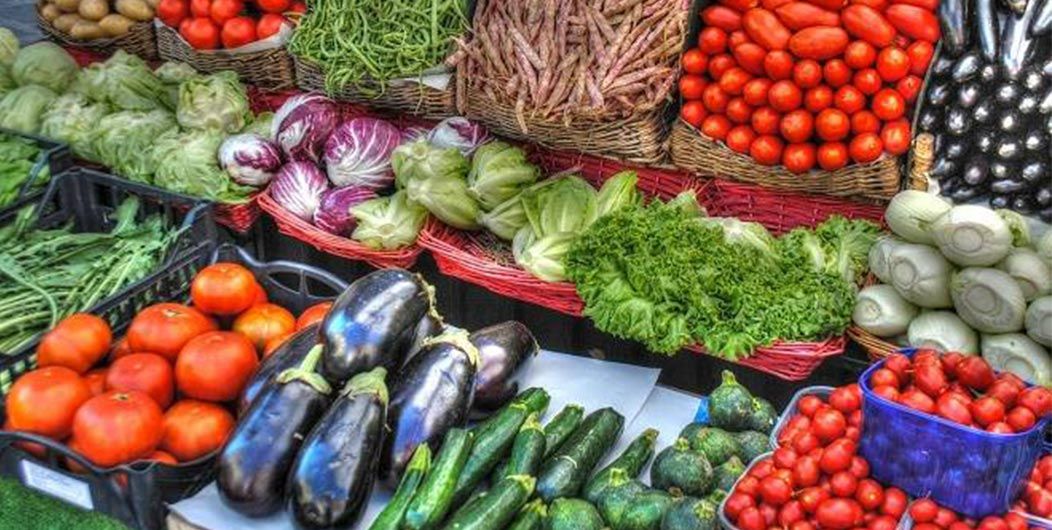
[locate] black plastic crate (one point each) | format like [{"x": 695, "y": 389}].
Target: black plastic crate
[
  {"x": 137, "y": 494},
  {"x": 54, "y": 156}
]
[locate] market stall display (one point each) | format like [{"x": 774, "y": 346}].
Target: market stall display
[
  {"x": 988, "y": 105},
  {"x": 102, "y": 26}
]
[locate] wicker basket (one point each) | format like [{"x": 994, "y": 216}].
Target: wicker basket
[
  {"x": 238, "y": 217},
  {"x": 269, "y": 69},
  {"x": 792, "y": 361},
  {"x": 399, "y": 96},
  {"x": 140, "y": 40},
  {"x": 344, "y": 247}
]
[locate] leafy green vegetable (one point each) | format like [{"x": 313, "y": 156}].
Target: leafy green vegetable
[
  {"x": 436, "y": 179},
  {"x": 617, "y": 192},
  {"x": 388, "y": 222},
  {"x": 506, "y": 219},
  {"x": 499, "y": 172},
  {"x": 123, "y": 141},
  {"x": 22, "y": 108},
  {"x": 124, "y": 82},
  {"x": 8, "y": 46},
  {"x": 19, "y": 157},
  {"x": 262, "y": 125},
  {"x": 217, "y": 101},
  {"x": 7, "y": 83},
  {"x": 72, "y": 118},
  {"x": 560, "y": 204},
  {"x": 172, "y": 74},
  {"x": 46, "y": 64},
  {"x": 838, "y": 246},
  {"x": 542, "y": 256},
  {"x": 656, "y": 275},
  {"x": 186, "y": 163}
]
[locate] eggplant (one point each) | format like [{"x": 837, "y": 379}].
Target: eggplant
[
  {"x": 1000, "y": 170},
  {"x": 1010, "y": 121},
  {"x": 1043, "y": 197},
  {"x": 942, "y": 66},
  {"x": 983, "y": 112},
  {"x": 372, "y": 323},
  {"x": 432, "y": 394},
  {"x": 1009, "y": 148},
  {"x": 503, "y": 350},
  {"x": 986, "y": 28},
  {"x": 1047, "y": 67},
  {"x": 975, "y": 171},
  {"x": 988, "y": 73},
  {"x": 1028, "y": 105},
  {"x": 1000, "y": 201},
  {"x": 953, "y": 19},
  {"x": 966, "y": 67},
  {"x": 1035, "y": 141},
  {"x": 1017, "y": 44},
  {"x": 1034, "y": 171},
  {"x": 1042, "y": 22},
  {"x": 1045, "y": 107},
  {"x": 1017, "y": 6},
  {"x": 943, "y": 168},
  {"x": 288, "y": 355},
  {"x": 968, "y": 95},
  {"x": 1023, "y": 204},
  {"x": 939, "y": 94},
  {"x": 1007, "y": 93},
  {"x": 985, "y": 141},
  {"x": 954, "y": 149},
  {"x": 430, "y": 326},
  {"x": 964, "y": 194},
  {"x": 255, "y": 462},
  {"x": 929, "y": 119},
  {"x": 957, "y": 121},
  {"x": 333, "y": 475},
  {"x": 1033, "y": 81}
]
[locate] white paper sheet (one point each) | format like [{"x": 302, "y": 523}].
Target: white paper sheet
[
  {"x": 590, "y": 383},
  {"x": 666, "y": 410}
]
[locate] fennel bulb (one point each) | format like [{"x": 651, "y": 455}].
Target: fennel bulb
[
  {"x": 880, "y": 310},
  {"x": 1017, "y": 353},
  {"x": 1038, "y": 320},
  {"x": 944, "y": 331},
  {"x": 911, "y": 213},
  {"x": 989, "y": 300},
  {"x": 1032, "y": 274},
  {"x": 921, "y": 275},
  {"x": 880, "y": 255},
  {"x": 972, "y": 236}
]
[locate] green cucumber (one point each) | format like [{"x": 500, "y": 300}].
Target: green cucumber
[
  {"x": 495, "y": 509},
  {"x": 563, "y": 474},
  {"x": 535, "y": 399},
  {"x": 432, "y": 501},
  {"x": 689, "y": 513},
  {"x": 728, "y": 472},
  {"x": 716, "y": 444},
  {"x": 392, "y": 515},
  {"x": 753, "y": 444},
  {"x": 561, "y": 427},
  {"x": 680, "y": 470},
  {"x": 645, "y": 511},
  {"x": 618, "y": 496},
  {"x": 730, "y": 405},
  {"x": 531, "y": 516},
  {"x": 528, "y": 449},
  {"x": 493, "y": 442},
  {"x": 632, "y": 460},
  {"x": 762, "y": 416},
  {"x": 573, "y": 514}
]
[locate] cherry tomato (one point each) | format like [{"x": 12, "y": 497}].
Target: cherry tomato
[
  {"x": 893, "y": 64},
  {"x": 775, "y": 491},
  {"x": 766, "y": 121},
  {"x": 843, "y": 484},
  {"x": 864, "y": 121},
  {"x": 738, "y": 111},
  {"x": 797, "y": 126},
  {"x": 837, "y": 456},
  {"x": 836, "y": 72},
  {"x": 736, "y": 502},
  {"x": 832, "y": 156},
  {"x": 898, "y": 363},
  {"x": 917, "y": 400},
  {"x": 923, "y": 510},
  {"x": 750, "y": 518},
  {"x": 766, "y": 150},
  {"x": 920, "y": 53},
  {"x": 716, "y": 126},
  {"x": 720, "y": 64},
  {"x": 859, "y": 55},
  {"x": 849, "y": 99},
  {"x": 778, "y": 64},
  {"x": 895, "y": 502},
  {"x": 884, "y": 376},
  {"x": 740, "y": 138},
  {"x": 809, "y": 405},
  {"x": 807, "y": 73},
  {"x": 691, "y": 86},
  {"x": 714, "y": 98},
  {"x": 784, "y": 96},
  {"x": 944, "y": 517},
  {"x": 748, "y": 485},
  {"x": 811, "y": 497},
  {"x": 694, "y": 61},
  {"x": 845, "y": 400},
  {"x": 887, "y": 392},
  {"x": 882, "y": 522},
  {"x": 693, "y": 112},
  {"x": 859, "y": 467},
  {"x": 818, "y": 98},
  {"x": 1020, "y": 419},
  {"x": 975, "y": 372},
  {"x": 299, "y": 6},
  {"x": 799, "y": 158},
  {"x": 869, "y": 494},
  {"x": 865, "y": 147},
  {"x": 1037, "y": 399},
  {"x": 200, "y": 8},
  {"x": 896, "y": 137},
  {"x": 755, "y": 91},
  {"x": 806, "y": 442},
  {"x": 792, "y": 512},
  {"x": 867, "y": 81},
  {"x": 953, "y": 409},
  {"x": 832, "y": 125},
  {"x": 712, "y": 41},
  {"x": 732, "y": 81},
  {"x": 909, "y": 87},
  {"x": 888, "y": 104}
]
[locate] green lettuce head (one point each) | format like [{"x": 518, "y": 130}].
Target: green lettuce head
[
  {"x": 187, "y": 164},
  {"x": 447, "y": 198},
  {"x": 560, "y": 204},
  {"x": 617, "y": 192},
  {"x": 747, "y": 234},
  {"x": 8, "y": 46},
  {"x": 46, "y": 64},
  {"x": 124, "y": 82},
  {"x": 542, "y": 257},
  {"x": 388, "y": 222},
  {"x": 420, "y": 160},
  {"x": 22, "y": 108},
  {"x": 506, "y": 219},
  {"x": 499, "y": 172},
  {"x": 72, "y": 118},
  {"x": 7, "y": 83},
  {"x": 687, "y": 202},
  {"x": 261, "y": 125},
  {"x": 123, "y": 141},
  {"x": 216, "y": 102}
]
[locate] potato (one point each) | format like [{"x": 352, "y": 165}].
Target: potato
[
  {"x": 153, "y": 4},
  {"x": 50, "y": 12},
  {"x": 93, "y": 9},
  {"x": 69, "y": 6},
  {"x": 135, "y": 10},
  {"x": 116, "y": 25},
  {"x": 64, "y": 23},
  {"x": 87, "y": 30}
]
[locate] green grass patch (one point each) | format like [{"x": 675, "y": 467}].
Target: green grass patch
[{"x": 24, "y": 509}]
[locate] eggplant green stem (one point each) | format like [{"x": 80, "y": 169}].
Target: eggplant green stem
[
  {"x": 458, "y": 338},
  {"x": 305, "y": 372},
  {"x": 371, "y": 382}
]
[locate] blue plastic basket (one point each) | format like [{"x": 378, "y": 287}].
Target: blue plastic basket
[{"x": 972, "y": 472}]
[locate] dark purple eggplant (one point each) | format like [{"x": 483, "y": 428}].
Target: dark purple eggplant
[
  {"x": 288, "y": 355},
  {"x": 1010, "y": 121},
  {"x": 1000, "y": 170},
  {"x": 988, "y": 73},
  {"x": 372, "y": 323},
  {"x": 1028, "y": 105},
  {"x": 953, "y": 19},
  {"x": 983, "y": 112},
  {"x": 503, "y": 349},
  {"x": 430, "y": 326},
  {"x": 929, "y": 119},
  {"x": 943, "y": 168},
  {"x": 1000, "y": 201},
  {"x": 963, "y": 194},
  {"x": 985, "y": 141},
  {"x": 1043, "y": 197},
  {"x": 333, "y": 475},
  {"x": 986, "y": 28},
  {"x": 939, "y": 94},
  {"x": 975, "y": 171},
  {"x": 968, "y": 95},
  {"x": 1009, "y": 148},
  {"x": 1007, "y": 186},
  {"x": 1042, "y": 23},
  {"x": 255, "y": 462},
  {"x": 1023, "y": 204},
  {"x": 942, "y": 66},
  {"x": 432, "y": 394},
  {"x": 1007, "y": 93},
  {"x": 1016, "y": 43},
  {"x": 1033, "y": 81},
  {"x": 1035, "y": 140},
  {"x": 954, "y": 149},
  {"x": 958, "y": 122},
  {"x": 1034, "y": 171},
  {"x": 1045, "y": 107},
  {"x": 1047, "y": 67},
  {"x": 966, "y": 67}
]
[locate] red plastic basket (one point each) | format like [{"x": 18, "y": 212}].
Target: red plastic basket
[
  {"x": 344, "y": 247},
  {"x": 238, "y": 217}
]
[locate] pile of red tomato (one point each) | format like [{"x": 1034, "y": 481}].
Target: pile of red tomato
[
  {"x": 815, "y": 479},
  {"x": 162, "y": 392},
  {"x": 1037, "y": 495},
  {"x": 211, "y": 24},
  {"x": 806, "y": 83},
  {"x": 962, "y": 389},
  {"x": 928, "y": 515}
]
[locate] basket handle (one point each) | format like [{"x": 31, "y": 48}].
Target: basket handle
[{"x": 304, "y": 273}]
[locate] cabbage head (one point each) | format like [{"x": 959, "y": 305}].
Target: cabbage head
[
  {"x": 124, "y": 82},
  {"x": 562, "y": 204},
  {"x": 46, "y": 64},
  {"x": 217, "y": 101},
  {"x": 187, "y": 163},
  {"x": 72, "y": 119},
  {"x": 388, "y": 222},
  {"x": 262, "y": 125},
  {"x": 22, "y": 108},
  {"x": 8, "y": 46},
  {"x": 7, "y": 83},
  {"x": 499, "y": 172},
  {"x": 122, "y": 141}
]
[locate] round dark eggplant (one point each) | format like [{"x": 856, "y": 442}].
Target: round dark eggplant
[
  {"x": 1033, "y": 81},
  {"x": 1028, "y": 105},
  {"x": 290, "y": 354},
  {"x": 929, "y": 120},
  {"x": 968, "y": 95},
  {"x": 988, "y": 73},
  {"x": 957, "y": 121},
  {"x": 1007, "y": 186},
  {"x": 939, "y": 94},
  {"x": 430, "y": 326},
  {"x": 948, "y": 185},
  {"x": 942, "y": 66},
  {"x": 1035, "y": 141},
  {"x": 975, "y": 171},
  {"x": 255, "y": 462},
  {"x": 431, "y": 395},
  {"x": 953, "y": 149},
  {"x": 1010, "y": 121},
  {"x": 943, "y": 168},
  {"x": 1045, "y": 107},
  {"x": 1043, "y": 197},
  {"x": 964, "y": 194},
  {"x": 1009, "y": 148},
  {"x": 1001, "y": 170},
  {"x": 1034, "y": 171},
  {"x": 983, "y": 112},
  {"x": 333, "y": 475},
  {"x": 966, "y": 67},
  {"x": 1007, "y": 93},
  {"x": 503, "y": 349},
  {"x": 1023, "y": 204},
  {"x": 372, "y": 323}
]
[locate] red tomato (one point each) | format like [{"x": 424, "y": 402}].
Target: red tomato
[
  {"x": 895, "y": 502},
  {"x": 118, "y": 427},
  {"x": 799, "y": 158},
  {"x": 859, "y": 55},
  {"x": 807, "y": 73},
  {"x": 920, "y": 54},
  {"x": 867, "y": 81},
  {"x": 832, "y": 156},
  {"x": 812, "y": 497},
  {"x": 775, "y": 491},
  {"x": 784, "y": 96},
  {"x": 778, "y": 64},
  {"x": 274, "y": 6},
  {"x": 805, "y": 472},
  {"x": 1020, "y": 419},
  {"x": 45, "y": 400},
  {"x": 736, "y": 502},
  {"x": 887, "y": 392},
  {"x": 849, "y": 99},
  {"x": 692, "y": 112},
  {"x": 691, "y": 86},
  {"x": 944, "y": 517},
  {"x": 923, "y": 510},
  {"x": 224, "y": 10},
  {"x": 909, "y": 87},
  {"x": 809, "y": 405},
  {"x": 884, "y": 376},
  {"x": 238, "y": 32},
  {"x": 975, "y": 372},
  {"x": 953, "y": 409},
  {"x": 869, "y": 494},
  {"x": 173, "y": 12},
  {"x": 755, "y": 91},
  {"x": 694, "y": 60},
  {"x": 865, "y": 147},
  {"x": 263, "y": 322},
  {"x": 161, "y": 457},
  {"x": 1037, "y": 399},
  {"x": 818, "y": 98},
  {"x": 274, "y": 344},
  {"x": 836, "y": 73},
  {"x": 716, "y": 126},
  {"x": 837, "y": 456},
  {"x": 766, "y": 121},
  {"x": 843, "y": 484},
  {"x": 806, "y": 442},
  {"x": 784, "y": 457},
  {"x": 77, "y": 342},
  {"x": 733, "y": 80},
  {"x": 223, "y": 288},
  {"x": 896, "y": 137},
  {"x": 917, "y": 400},
  {"x": 893, "y": 64},
  {"x": 298, "y": 7},
  {"x": 766, "y": 150},
  {"x": 738, "y": 111},
  {"x": 898, "y": 363},
  {"x": 712, "y": 41},
  {"x": 864, "y": 121},
  {"x": 164, "y": 329},
  {"x": 714, "y": 99},
  {"x": 791, "y": 513},
  {"x": 200, "y": 8},
  {"x": 740, "y": 138},
  {"x": 882, "y": 522},
  {"x": 96, "y": 380},
  {"x": 751, "y": 519},
  {"x": 215, "y": 366},
  {"x": 888, "y": 105},
  {"x": 845, "y": 400},
  {"x": 1005, "y": 391},
  {"x": 832, "y": 125},
  {"x": 720, "y": 64},
  {"x": 201, "y": 33},
  {"x": 146, "y": 372},
  {"x": 838, "y": 514},
  {"x": 797, "y": 126},
  {"x": 193, "y": 429}
]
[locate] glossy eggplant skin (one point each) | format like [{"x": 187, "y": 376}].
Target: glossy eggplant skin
[
  {"x": 503, "y": 349},
  {"x": 255, "y": 462},
  {"x": 1042, "y": 23},
  {"x": 432, "y": 394},
  {"x": 953, "y": 18},
  {"x": 372, "y": 323},
  {"x": 986, "y": 28},
  {"x": 288, "y": 355},
  {"x": 429, "y": 327},
  {"x": 1016, "y": 42},
  {"x": 333, "y": 475}
]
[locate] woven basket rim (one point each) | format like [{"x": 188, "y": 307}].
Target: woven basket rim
[{"x": 51, "y": 31}]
